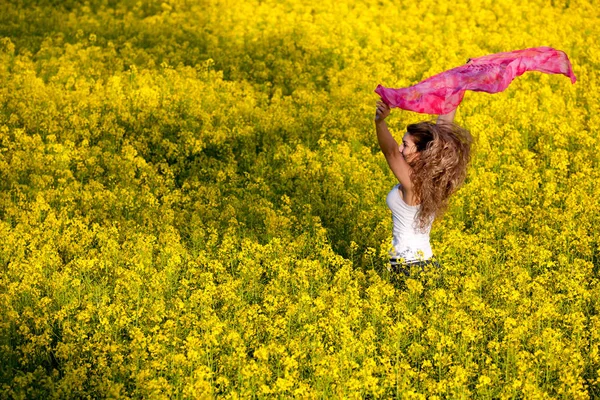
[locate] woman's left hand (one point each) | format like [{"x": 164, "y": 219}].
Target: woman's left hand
[{"x": 383, "y": 110}]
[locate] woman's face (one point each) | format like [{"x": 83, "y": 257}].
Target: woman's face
[{"x": 408, "y": 147}]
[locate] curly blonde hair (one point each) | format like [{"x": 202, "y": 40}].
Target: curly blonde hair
[{"x": 444, "y": 153}]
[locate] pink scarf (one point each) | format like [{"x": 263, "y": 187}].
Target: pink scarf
[{"x": 443, "y": 92}]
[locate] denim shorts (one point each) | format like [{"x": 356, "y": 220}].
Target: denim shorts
[{"x": 399, "y": 266}]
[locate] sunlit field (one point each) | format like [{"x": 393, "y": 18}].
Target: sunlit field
[{"x": 192, "y": 203}]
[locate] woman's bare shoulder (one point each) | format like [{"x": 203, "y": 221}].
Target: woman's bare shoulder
[{"x": 406, "y": 195}]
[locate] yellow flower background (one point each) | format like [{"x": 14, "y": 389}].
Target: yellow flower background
[{"x": 192, "y": 203}]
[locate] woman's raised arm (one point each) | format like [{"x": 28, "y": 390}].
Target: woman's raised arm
[
  {"x": 447, "y": 118},
  {"x": 389, "y": 147}
]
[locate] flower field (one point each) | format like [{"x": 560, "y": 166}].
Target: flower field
[{"x": 192, "y": 203}]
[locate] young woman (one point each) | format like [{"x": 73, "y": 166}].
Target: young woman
[{"x": 430, "y": 165}]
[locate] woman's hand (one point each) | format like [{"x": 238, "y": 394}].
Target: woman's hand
[{"x": 383, "y": 110}]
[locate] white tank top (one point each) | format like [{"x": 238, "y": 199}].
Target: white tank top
[{"x": 408, "y": 242}]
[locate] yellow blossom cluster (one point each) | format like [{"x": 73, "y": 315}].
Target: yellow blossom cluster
[{"x": 192, "y": 203}]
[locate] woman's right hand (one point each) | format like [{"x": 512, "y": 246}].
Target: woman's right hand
[{"x": 383, "y": 110}]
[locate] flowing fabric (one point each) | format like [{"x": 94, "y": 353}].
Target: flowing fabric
[{"x": 443, "y": 92}]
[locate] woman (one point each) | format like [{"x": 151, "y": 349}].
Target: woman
[{"x": 430, "y": 165}]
